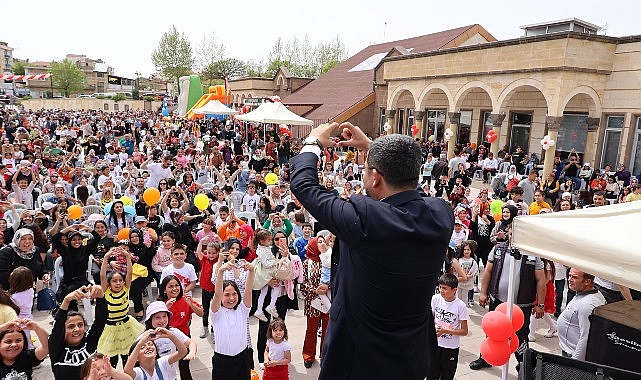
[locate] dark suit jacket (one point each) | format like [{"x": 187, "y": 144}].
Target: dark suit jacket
[{"x": 391, "y": 253}]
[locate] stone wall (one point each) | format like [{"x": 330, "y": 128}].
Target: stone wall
[{"x": 89, "y": 103}]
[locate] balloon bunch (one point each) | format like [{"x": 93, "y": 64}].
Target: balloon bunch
[
  {"x": 387, "y": 127},
  {"x": 414, "y": 130},
  {"x": 547, "y": 142},
  {"x": 501, "y": 339},
  {"x": 448, "y": 134},
  {"x": 491, "y": 136},
  {"x": 284, "y": 130}
]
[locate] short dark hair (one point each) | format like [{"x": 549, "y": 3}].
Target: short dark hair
[
  {"x": 162, "y": 296},
  {"x": 599, "y": 193},
  {"x": 518, "y": 190},
  {"x": 398, "y": 158},
  {"x": 448, "y": 279},
  {"x": 533, "y": 171}
]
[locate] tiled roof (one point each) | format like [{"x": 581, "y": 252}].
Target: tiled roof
[{"x": 351, "y": 81}]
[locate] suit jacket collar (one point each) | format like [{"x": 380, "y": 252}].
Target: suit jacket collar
[{"x": 402, "y": 197}]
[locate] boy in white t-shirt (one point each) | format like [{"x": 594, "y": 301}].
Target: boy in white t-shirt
[
  {"x": 185, "y": 272},
  {"x": 450, "y": 317},
  {"x": 250, "y": 199}
]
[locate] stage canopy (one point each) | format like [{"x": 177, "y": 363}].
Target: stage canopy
[
  {"x": 275, "y": 113},
  {"x": 215, "y": 107}
]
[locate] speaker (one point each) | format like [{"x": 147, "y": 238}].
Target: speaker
[{"x": 542, "y": 366}]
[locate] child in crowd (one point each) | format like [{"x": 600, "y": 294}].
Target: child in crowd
[
  {"x": 265, "y": 269},
  {"x": 278, "y": 352},
  {"x": 326, "y": 272},
  {"x": 121, "y": 329},
  {"x": 21, "y": 288},
  {"x": 162, "y": 258},
  {"x": 150, "y": 364},
  {"x": 181, "y": 309},
  {"x": 460, "y": 233},
  {"x": 470, "y": 267},
  {"x": 450, "y": 317},
  {"x": 229, "y": 316},
  {"x": 158, "y": 316},
  {"x": 98, "y": 367},
  {"x": 185, "y": 272},
  {"x": 208, "y": 260}
]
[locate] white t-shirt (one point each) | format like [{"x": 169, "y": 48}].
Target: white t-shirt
[
  {"x": 186, "y": 274},
  {"x": 230, "y": 329},
  {"x": 156, "y": 173},
  {"x": 166, "y": 347},
  {"x": 251, "y": 202},
  {"x": 449, "y": 315},
  {"x": 164, "y": 366},
  {"x": 277, "y": 350}
]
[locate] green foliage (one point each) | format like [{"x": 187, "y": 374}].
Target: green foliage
[
  {"x": 173, "y": 56},
  {"x": 135, "y": 93},
  {"x": 49, "y": 94},
  {"x": 303, "y": 59},
  {"x": 208, "y": 52},
  {"x": 118, "y": 98},
  {"x": 18, "y": 67},
  {"x": 148, "y": 98},
  {"x": 67, "y": 77},
  {"x": 26, "y": 97},
  {"x": 228, "y": 67},
  {"x": 101, "y": 97},
  {"x": 256, "y": 69}
]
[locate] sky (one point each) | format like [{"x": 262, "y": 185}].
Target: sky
[{"x": 124, "y": 34}]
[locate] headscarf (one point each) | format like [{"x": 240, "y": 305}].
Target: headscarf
[
  {"x": 15, "y": 244},
  {"x": 313, "y": 253},
  {"x": 174, "y": 216},
  {"x": 249, "y": 232},
  {"x": 513, "y": 212}
]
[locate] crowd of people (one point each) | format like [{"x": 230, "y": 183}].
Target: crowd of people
[{"x": 252, "y": 248}]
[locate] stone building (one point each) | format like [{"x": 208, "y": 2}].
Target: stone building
[
  {"x": 582, "y": 89},
  {"x": 248, "y": 91}
]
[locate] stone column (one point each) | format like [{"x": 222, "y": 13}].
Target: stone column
[
  {"x": 589, "y": 155},
  {"x": 497, "y": 122},
  {"x": 553, "y": 123},
  {"x": 389, "y": 115},
  {"x": 418, "y": 120},
  {"x": 455, "y": 118}
]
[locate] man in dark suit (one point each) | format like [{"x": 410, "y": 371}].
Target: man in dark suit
[{"x": 388, "y": 256}]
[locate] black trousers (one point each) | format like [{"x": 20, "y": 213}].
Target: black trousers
[
  {"x": 444, "y": 367},
  {"x": 523, "y": 332},
  {"x": 135, "y": 293}
]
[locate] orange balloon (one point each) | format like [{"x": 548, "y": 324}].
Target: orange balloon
[
  {"x": 473, "y": 145},
  {"x": 123, "y": 234},
  {"x": 497, "y": 217},
  {"x": 152, "y": 233},
  {"x": 74, "y": 212},
  {"x": 151, "y": 196}
]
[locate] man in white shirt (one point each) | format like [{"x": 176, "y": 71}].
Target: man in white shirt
[
  {"x": 490, "y": 166},
  {"x": 157, "y": 171},
  {"x": 573, "y": 325}
]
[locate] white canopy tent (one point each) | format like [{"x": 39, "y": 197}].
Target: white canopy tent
[
  {"x": 215, "y": 107},
  {"x": 275, "y": 113},
  {"x": 602, "y": 241}
]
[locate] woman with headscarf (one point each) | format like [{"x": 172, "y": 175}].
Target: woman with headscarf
[
  {"x": 311, "y": 288},
  {"x": 499, "y": 232},
  {"x": 246, "y": 235},
  {"x": 140, "y": 246},
  {"x": 75, "y": 258},
  {"x": 21, "y": 252}
]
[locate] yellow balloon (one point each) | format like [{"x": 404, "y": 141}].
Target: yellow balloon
[
  {"x": 271, "y": 179},
  {"x": 126, "y": 201},
  {"x": 201, "y": 201}
]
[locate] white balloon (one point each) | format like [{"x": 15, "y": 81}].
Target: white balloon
[
  {"x": 546, "y": 147},
  {"x": 543, "y": 142},
  {"x": 551, "y": 142},
  {"x": 547, "y": 137}
]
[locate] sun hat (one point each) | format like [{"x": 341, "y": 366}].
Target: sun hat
[{"x": 156, "y": 307}]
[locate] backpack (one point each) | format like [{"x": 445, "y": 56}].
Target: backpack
[
  {"x": 284, "y": 269},
  {"x": 46, "y": 299}
]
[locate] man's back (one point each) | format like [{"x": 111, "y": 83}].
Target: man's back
[{"x": 390, "y": 254}]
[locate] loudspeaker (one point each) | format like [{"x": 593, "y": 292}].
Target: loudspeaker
[{"x": 543, "y": 366}]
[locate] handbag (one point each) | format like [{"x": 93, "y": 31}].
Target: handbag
[
  {"x": 284, "y": 270},
  {"x": 318, "y": 304},
  {"x": 46, "y": 299},
  {"x": 138, "y": 270}
]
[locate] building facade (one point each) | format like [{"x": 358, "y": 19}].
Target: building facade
[{"x": 584, "y": 90}]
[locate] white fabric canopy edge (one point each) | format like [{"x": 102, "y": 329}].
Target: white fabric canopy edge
[
  {"x": 214, "y": 107},
  {"x": 275, "y": 113},
  {"x": 603, "y": 241}
]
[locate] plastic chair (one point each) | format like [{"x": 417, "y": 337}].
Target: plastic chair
[
  {"x": 478, "y": 175},
  {"x": 250, "y": 216},
  {"x": 236, "y": 200},
  {"x": 208, "y": 185},
  {"x": 58, "y": 273},
  {"x": 92, "y": 209},
  {"x": 42, "y": 198}
]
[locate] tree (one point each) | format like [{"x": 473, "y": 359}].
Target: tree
[
  {"x": 173, "y": 56},
  {"x": 228, "y": 68},
  {"x": 208, "y": 52},
  {"x": 18, "y": 67},
  {"x": 67, "y": 77},
  {"x": 303, "y": 59},
  {"x": 256, "y": 68}
]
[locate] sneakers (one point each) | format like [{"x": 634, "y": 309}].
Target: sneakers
[
  {"x": 203, "y": 332},
  {"x": 261, "y": 366},
  {"x": 260, "y": 316},
  {"x": 272, "y": 310},
  {"x": 308, "y": 364},
  {"x": 550, "y": 333},
  {"x": 470, "y": 303},
  {"x": 531, "y": 338},
  {"x": 479, "y": 364}
]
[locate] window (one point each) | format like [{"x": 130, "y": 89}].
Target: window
[
  {"x": 106, "y": 107},
  {"x": 401, "y": 121},
  {"x": 611, "y": 141},
  {"x": 126, "y": 107},
  {"x": 520, "y": 133},
  {"x": 410, "y": 121},
  {"x": 435, "y": 124},
  {"x": 116, "y": 107},
  {"x": 464, "y": 128},
  {"x": 488, "y": 125},
  {"x": 636, "y": 151},
  {"x": 101, "y": 87},
  {"x": 573, "y": 133},
  {"x": 382, "y": 121},
  {"x": 100, "y": 75}
]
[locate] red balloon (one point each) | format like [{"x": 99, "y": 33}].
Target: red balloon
[
  {"x": 517, "y": 315},
  {"x": 514, "y": 343},
  {"x": 495, "y": 352},
  {"x": 493, "y": 138},
  {"x": 497, "y": 325}
]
